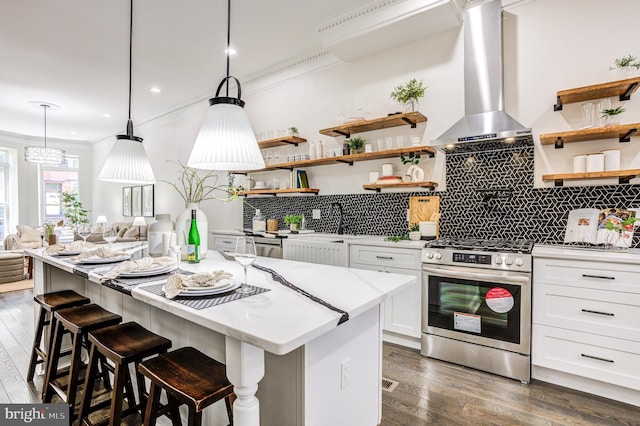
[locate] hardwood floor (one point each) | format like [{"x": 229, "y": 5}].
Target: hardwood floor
[{"x": 429, "y": 392}]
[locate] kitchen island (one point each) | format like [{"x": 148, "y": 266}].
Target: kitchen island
[{"x": 280, "y": 348}]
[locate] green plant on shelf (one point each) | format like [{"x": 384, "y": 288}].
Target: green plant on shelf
[
  {"x": 356, "y": 144},
  {"x": 293, "y": 131},
  {"x": 628, "y": 61},
  {"x": 612, "y": 111},
  {"x": 409, "y": 93}
]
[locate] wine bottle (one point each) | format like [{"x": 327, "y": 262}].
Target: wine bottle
[{"x": 193, "y": 243}]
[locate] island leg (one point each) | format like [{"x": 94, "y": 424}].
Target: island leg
[{"x": 245, "y": 368}]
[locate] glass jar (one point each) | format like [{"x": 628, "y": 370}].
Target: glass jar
[{"x": 259, "y": 222}]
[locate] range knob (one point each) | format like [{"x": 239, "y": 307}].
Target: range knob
[
  {"x": 429, "y": 255},
  {"x": 498, "y": 260},
  {"x": 438, "y": 256},
  {"x": 519, "y": 261},
  {"x": 508, "y": 260}
]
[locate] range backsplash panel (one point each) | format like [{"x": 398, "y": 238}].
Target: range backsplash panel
[{"x": 489, "y": 194}]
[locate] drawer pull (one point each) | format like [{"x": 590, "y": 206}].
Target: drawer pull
[
  {"x": 227, "y": 242},
  {"x": 597, "y": 358},
  {"x": 385, "y": 257},
  {"x": 589, "y": 311},
  {"x": 602, "y": 277}
]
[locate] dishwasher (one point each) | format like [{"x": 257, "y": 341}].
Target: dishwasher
[{"x": 265, "y": 246}]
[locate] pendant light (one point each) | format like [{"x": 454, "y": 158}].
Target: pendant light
[
  {"x": 44, "y": 155},
  {"x": 127, "y": 162},
  {"x": 226, "y": 140}
]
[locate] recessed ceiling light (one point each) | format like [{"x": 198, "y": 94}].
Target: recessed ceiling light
[
  {"x": 155, "y": 89},
  {"x": 230, "y": 51},
  {"x": 73, "y": 132},
  {"x": 106, "y": 115}
]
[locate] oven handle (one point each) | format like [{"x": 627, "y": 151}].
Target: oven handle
[{"x": 505, "y": 279}]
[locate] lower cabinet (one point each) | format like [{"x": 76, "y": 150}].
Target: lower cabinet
[{"x": 402, "y": 312}]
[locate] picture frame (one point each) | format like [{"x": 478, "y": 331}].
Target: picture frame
[
  {"x": 126, "y": 201},
  {"x": 147, "y": 200},
  {"x": 136, "y": 201}
]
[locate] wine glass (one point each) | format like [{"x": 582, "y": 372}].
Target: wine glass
[
  {"x": 84, "y": 230},
  {"x": 177, "y": 249},
  {"x": 109, "y": 234},
  {"x": 245, "y": 255}
]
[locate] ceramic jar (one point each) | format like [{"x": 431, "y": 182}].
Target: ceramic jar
[{"x": 159, "y": 235}]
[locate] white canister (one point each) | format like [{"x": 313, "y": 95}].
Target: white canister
[
  {"x": 428, "y": 229},
  {"x": 373, "y": 177},
  {"x": 611, "y": 159},
  {"x": 580, "y": 163},
  {"x": 387, "y": 169},
  {"x": 157, "y": 232},
  {"x": 595, "y": 163},
  {"x": 368, "y": 148}
]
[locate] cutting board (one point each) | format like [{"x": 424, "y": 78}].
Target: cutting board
[{"x": 422, "y": 209}]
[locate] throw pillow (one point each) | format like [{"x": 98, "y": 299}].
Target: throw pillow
[
  {"x": 122, "y": 231},
  {"x": 131, "y": 232},
  {"x": 30, "y": 235}
]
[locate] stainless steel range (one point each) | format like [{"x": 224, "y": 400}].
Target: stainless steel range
[{"x": 477, "y": 304}]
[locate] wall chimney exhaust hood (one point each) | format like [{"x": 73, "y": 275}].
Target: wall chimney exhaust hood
[
  {"x": 385, "y": 24},
  {"x": 484, "y": 118}
]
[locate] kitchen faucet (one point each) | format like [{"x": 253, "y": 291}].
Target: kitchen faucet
[{"x": 340, "y": 225}]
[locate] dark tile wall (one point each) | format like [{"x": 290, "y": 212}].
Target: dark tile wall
[{"x": 476, "y": 203}]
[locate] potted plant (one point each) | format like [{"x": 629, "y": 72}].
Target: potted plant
[
  {"x": 610, "y": 115},
  {"x": 75, "y": 213},
  {"x": 293, "y": 131},
  {"x": 49, "y": 233},
  {"x": 294, "y": 221},
  {"x": 356, "y": 144},
  {"x": 626, "y": 65},
  {"x": 414, "y": 232},
  {"x": 414, "y": 173},
  {"x": 409, "y": 94}
]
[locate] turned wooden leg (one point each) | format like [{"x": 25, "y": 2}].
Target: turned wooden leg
[{"x": 245, "y": 368}]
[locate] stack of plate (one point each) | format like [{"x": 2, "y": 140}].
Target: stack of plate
[
  {"x": 157, "y": 270},
  {"x": 227, "y": 285},
  {"x": 389, "y": 179}
]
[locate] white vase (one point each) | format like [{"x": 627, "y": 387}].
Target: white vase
[
  {"x": 158, "y": 231},
  {"x": 183, "y": 224}
]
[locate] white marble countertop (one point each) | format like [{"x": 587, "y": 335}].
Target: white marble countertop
[
  {"x": 279, "y": 320},
  {"x": 600, "y": 254}
]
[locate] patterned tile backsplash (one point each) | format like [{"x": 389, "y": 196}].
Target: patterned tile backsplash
[{"x": 489, "y": 194}]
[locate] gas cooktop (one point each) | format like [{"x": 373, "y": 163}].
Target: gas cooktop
[{"x": 504, "y": 246}]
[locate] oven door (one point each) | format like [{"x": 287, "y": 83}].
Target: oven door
[{"x": 489, "y": 308}]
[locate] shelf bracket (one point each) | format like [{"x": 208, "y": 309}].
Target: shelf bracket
[
  {"x": 344, "y": 133},
  {"x": 409, "y": 122},
  {"x": 627, "y": 136},
  {"x": 624, "y": 180},
  {"x": 559, "y": 182},
  {"x": 349, "y": 162},
  {"x": 627, "y": 95},
  {"x": 290, "y": 168},
  {"x": 374, "y": 189},
  {"x": 558, "y": 105},
  {"x": 559, "y": 143}
]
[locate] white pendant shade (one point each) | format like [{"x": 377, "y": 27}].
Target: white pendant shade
[
  {"x": 226, "y": 141},
  {"x": 127, "y": 163}
]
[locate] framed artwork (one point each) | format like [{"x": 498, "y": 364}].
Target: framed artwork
[
  {"x": 147, "y": 200},
  {"x": 126, "y": 201},
  {"x": 136, "y": 201}
]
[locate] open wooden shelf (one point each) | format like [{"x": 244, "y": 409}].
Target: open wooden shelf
[
  {"x": 621, "y": 88},
  {"x": 285, "y": 140},
  {"x": 349, "y": 159},
  {"x": 379, "y": 186},
  {"x": 621, "y": 131},
  {"x": 275, "y": 192},
  {"x": 409, "y": 118},
  {"x": 624, "y": 176}
]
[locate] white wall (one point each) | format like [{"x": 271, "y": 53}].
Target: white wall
[{"x": 550, "y": 45}]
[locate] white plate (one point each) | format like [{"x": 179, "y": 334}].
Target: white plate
[
  {"x": 88, "y": 261},
  {"x": 68, "y": 253},
  {"x": 148, "y": 272},
  {"x": 209, "y": 291}
]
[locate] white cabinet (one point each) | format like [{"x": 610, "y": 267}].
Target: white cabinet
[
  {"x": 322, "y": 252},
  {"x": 402, "y": 312},
  {"x": 586, "y": 333},
  {"x": 223, "y": 243}
]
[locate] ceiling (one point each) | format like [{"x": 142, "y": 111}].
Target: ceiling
[{"x": 74, "y": 53}]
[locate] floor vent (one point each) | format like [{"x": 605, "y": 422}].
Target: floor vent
[{"x": 388, "y": 385}]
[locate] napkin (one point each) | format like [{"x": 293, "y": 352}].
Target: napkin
[
  {"x": 138, "y": 265},
  {"x": 74, "y": 246},
  {"x": 179, "y": 282},
  {"x": 100, "y": 253}
]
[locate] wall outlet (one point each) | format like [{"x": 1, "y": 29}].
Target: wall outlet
[
  {"x": 345, "y": 373},
  {"x": 316, "y": 213}
]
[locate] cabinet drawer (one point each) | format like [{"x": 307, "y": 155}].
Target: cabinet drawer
[
  {"x": 601, "y": 358},
  {"x": 224, "y": 243},
  {"x": 607, "y": 313},
  {"x": 596, "y": 275},
  {"x": 384, "y": 256}
]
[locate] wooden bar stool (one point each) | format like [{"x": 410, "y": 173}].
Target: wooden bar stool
[
  {"x": 49, "y": 304},
  {"x": 78, "y": 321},
  {"x": 188, "y": 377},
  {"x": 123, "y": 344}
]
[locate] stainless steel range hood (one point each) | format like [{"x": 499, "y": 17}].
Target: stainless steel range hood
[{"x": 484, "y": 116}]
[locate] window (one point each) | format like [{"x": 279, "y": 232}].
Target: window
[
  {"x": 4, "y": 195},
  {"x": 57, "y": 179}
]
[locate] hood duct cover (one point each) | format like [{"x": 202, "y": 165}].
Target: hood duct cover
[{"x": 484, "y": 116}]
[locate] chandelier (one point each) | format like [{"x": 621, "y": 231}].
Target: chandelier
[{"x": 42, "y": 154}]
